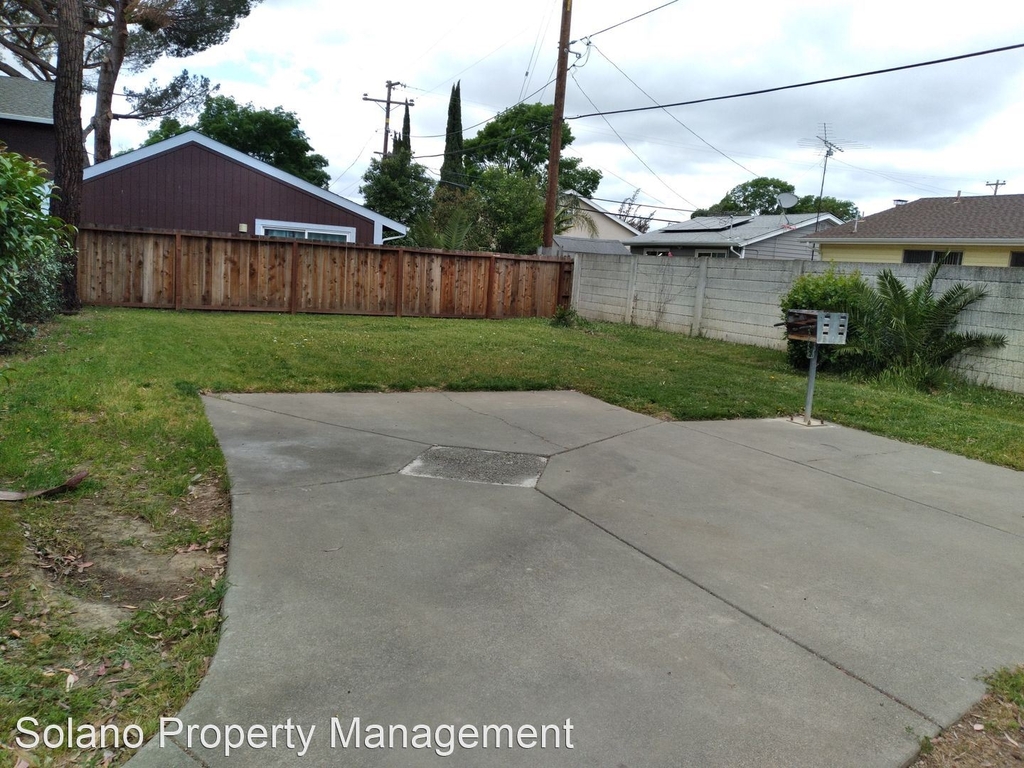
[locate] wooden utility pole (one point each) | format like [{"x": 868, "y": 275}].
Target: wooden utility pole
[
  {"x": 997, "y": 184},
  {"x": 387, "y": 109},
  {"x": 551, "y": 203}
]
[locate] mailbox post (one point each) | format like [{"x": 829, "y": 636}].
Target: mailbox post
[{"x": 817, "y": 328}]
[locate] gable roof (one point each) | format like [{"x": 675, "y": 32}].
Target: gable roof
[
  {"x": 740, "y": 231},
  {"x": 990, "y": 218},
  {"x": 192, "y": 137},
  {"x": 591, "y": 207},
  {"x": 29, "y": 101}
]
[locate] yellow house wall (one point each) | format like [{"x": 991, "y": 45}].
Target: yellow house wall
[{"x": 974, "y": 256}]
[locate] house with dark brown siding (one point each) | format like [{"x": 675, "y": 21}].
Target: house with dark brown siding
[
  {"x": 192, "y": 183},
  {"x": 26, "y": 118}
]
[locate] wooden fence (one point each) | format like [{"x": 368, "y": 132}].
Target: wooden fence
[{"x": 189, "y": 270}]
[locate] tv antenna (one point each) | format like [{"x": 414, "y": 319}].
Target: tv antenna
[{"x": 826, "y": 146}]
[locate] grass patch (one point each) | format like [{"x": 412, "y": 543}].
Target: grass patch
[{"x": 117, "y": 392}]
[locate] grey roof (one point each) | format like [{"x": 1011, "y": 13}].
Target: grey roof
[
  {"x": 27, "y": 100},
  {"x": 590, "y": 245},
  {"x": 931, "y": 219},
  {"x": 738, "y": 231}
]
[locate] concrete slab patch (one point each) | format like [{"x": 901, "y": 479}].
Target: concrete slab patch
[
  {"x": 709, "y": 594},
  {"x": 471, "y": 465}
]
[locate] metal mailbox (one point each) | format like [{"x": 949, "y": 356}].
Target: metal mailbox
[{"x": 816, "y": 326}]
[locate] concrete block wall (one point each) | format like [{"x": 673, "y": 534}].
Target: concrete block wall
[
  {"x": 1002, "y": 311},
  {"x": 737, "y": 300}
]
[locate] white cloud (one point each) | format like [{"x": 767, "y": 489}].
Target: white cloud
[{"x": 923, "y": 132}]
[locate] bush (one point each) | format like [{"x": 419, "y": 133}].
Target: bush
[
  {"x": 31, "y": 245},
  {"x": 828, "y": 291},
  {"x": 909, "y": 335}
]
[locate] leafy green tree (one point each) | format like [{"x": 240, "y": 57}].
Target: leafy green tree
[
  {"x": 397, "y": 187},
  {"x": 518, "y": 140},
  {"x": 846, "y": 210},
  {"x": 512, "y": 210},
  {"x": 453, "y": 169},
  {"x": 270, "y": 135},
  {"x": 760, "y": 196},
  {"x": 119, "y": 34}
]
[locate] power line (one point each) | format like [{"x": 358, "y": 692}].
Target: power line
[
  {"x": 634, "y": 18},
  {"x": 684, "y": 125},
  {"x": 776, "y": 89},
  {"x": 626, "y": 145}
]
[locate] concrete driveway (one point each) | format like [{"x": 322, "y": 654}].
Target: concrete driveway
[{"x": 747, "y": 593}]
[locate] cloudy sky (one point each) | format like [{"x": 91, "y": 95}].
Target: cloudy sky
[{"x": 925, "y": 132}]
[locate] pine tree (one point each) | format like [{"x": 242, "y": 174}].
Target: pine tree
[{"x": 453, "y": 168}]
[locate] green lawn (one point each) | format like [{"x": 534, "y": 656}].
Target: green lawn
[{"x": 116, "y": 392}]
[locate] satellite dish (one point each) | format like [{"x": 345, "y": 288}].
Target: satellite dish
[{"x": 787, "y": 200}]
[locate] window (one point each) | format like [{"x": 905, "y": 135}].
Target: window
[
  {"x": 1017, "y": 258},
  {"x": 324, "y": 233},
  {"x": 933, "y": 257},
  {"x": 716, "y": 254}
]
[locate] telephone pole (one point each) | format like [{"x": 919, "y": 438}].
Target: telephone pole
[
  {"x": 390, "y": 84},
  {"x": 997, "y": 184},
  {"x": 551, "y": 202}
]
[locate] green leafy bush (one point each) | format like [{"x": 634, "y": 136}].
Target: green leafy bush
[
  {"x": 829, "y": 291},
  {"x": 31, "y": 243}
]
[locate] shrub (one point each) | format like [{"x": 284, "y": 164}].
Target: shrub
[
  {"x": 909, "y": 335},
  {"x": 828, "y": 291},
  {"x": 31, "y": 243}
]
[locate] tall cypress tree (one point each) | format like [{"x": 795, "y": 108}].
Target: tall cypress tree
[
  {"x": 453, "y": 168},
  {"x": 403, "y": 140}
]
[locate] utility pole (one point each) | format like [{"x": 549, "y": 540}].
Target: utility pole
[
  {"x": 387, "y": 109},
  {"x": 555, "y": 154},
  {"x": 997, "y": 184}
]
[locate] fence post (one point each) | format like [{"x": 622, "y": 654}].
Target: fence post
[
  {"x": 293, "y": 298},
  {"x": 698, "y": 298},
  {"x": 629, "y": 310},
  {"x": 178, "y": 299},
  {"x": 400, "y": 283},
  {"x": 489, "y": 312}
]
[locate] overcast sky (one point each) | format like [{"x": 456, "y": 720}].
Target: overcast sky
[{"x": 921, "y": 133}]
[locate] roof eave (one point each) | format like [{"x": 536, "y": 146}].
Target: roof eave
[
  {"x": 917, "y": 240},
  {"x": 26, "y": 118}
]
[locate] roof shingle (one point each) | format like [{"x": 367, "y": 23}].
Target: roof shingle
[
  {"x": 21, "y": 98},
  {"x": 939, "y": 218}
]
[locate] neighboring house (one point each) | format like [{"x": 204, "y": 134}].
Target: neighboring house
[
  {"x": 735, "y": 237},
  {"x": 26, "y": 118},
  {"x": 193, "y": 183},
  {"x": 975, "y": 231},
  {"x": 607, "y": 226}
]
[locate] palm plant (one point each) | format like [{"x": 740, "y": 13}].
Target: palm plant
[{"x": 910, "y": 333}]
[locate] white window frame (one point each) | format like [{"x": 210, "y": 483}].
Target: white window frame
[
  {"x": 302, "y": 230},
  {"x": 712, "y": 254}
]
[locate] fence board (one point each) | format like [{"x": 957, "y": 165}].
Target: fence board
[{"x": 194, "y": 270}]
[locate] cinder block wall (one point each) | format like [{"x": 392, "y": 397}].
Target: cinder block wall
[{"x": 738, "y": 300}]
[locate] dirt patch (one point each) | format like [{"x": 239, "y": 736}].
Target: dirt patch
[
  {"x": 118, "y": 563},
  {"x": 991, "y": 735}
]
